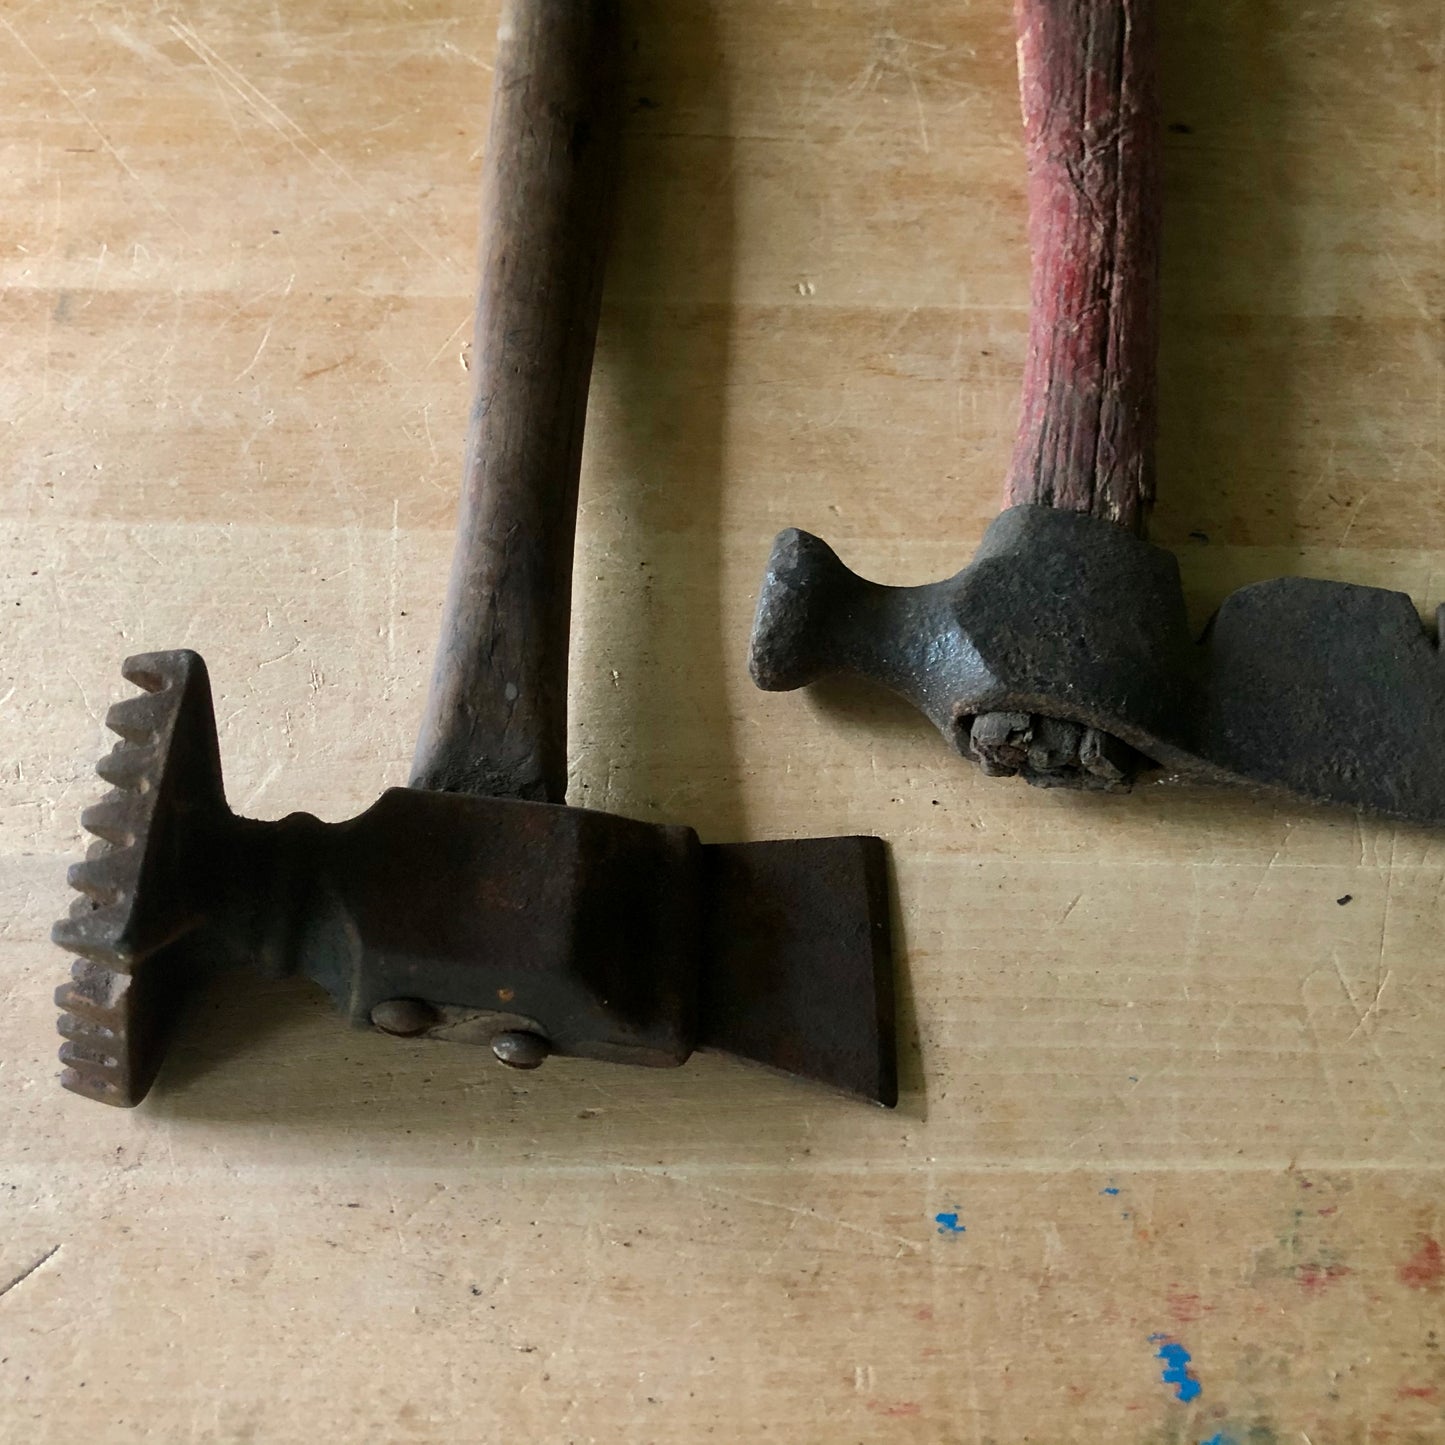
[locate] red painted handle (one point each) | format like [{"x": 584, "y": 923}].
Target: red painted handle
[{"x": 1087, "y": 74}]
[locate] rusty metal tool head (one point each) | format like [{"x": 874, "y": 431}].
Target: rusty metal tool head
[
  {"x": 1063, "y": 652},
  {"x": 473, "y": 905}
]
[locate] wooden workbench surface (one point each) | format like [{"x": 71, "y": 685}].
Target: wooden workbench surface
[{"x": 1173, "y": 1062}]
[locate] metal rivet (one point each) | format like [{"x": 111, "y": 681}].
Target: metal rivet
[
  {"x": 403, "y": 1016},
  {"x": 520, "y": 1050}
]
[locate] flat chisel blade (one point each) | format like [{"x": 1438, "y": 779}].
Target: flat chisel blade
[{"x": 798, "y": 968}]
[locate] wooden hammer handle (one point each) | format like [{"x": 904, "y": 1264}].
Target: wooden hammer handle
[
  {"x": 496, "y": 716},
  {"x": 1087, "y": 72}
]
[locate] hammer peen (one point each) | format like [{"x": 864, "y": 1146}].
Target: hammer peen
[
  {"x": 472, "y": 905},
  {"x": 1063, "y": 652}
]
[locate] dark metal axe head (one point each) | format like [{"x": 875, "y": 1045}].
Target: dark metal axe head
[
  {"x": 1071, "y": 634},
  {"x": 531, "y": 927}
]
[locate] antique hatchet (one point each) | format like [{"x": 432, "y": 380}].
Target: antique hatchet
[{"x": 473, "y": 905}]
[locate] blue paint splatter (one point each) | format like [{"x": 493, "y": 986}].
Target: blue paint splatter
[
  {"x": 948, "y": 1223},
  {"x": 1176, "y": 1368},
  {"x": 1220, "y": 1439},
  {"x": 1111, "y": 1191}
]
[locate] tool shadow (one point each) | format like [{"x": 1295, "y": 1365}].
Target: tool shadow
[
  {"x": 1229, "y": 408},
  {"x": 272, "y": 1054},
  {"x": 653, "y": 721},
  {"x": 650, "y": 729},
  {"x": 1288, "y": 387}
]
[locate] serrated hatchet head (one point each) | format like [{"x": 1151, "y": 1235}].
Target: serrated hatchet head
[{"x": 529, "y": 926}]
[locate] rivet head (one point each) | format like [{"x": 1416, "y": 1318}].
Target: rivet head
[
  {"x": 518, "y": 1049},
  {"x": 403, "y": 1017}
]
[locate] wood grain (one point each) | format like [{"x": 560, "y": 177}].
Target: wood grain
[
  {"x": 1087, "y": 76},
  {"x": 239, "y": 259}
]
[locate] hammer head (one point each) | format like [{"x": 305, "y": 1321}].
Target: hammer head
[
  {"x": 534, "y": 928},
  {"x": 985, "y": 654},
  {"x": 1322, "y": 691}
]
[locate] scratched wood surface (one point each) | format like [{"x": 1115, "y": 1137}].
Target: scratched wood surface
[{"x": 1168, "y": 1165}]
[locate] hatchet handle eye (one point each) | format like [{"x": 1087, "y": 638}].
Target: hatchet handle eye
[
  {"x": 496, "y": 717},
  {"x": 1087, "y": 74}
]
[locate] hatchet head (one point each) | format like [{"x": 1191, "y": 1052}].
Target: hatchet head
[
  {"x": 1076, "y": 630},
  {"x": 533, "y": 928}
]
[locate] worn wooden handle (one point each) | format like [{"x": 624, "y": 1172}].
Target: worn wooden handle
[
  {"x": 1087, "y": 78},
  {"x": 496, "y": 716},
  {"x": 1087, "y": 71}
]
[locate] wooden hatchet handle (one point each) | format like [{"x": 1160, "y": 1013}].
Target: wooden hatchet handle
[
  {"x": 496, "y": 716},
  {"x": 1087, "y": 74}
]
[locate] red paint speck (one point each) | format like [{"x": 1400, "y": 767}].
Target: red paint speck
[
  {"x": 1425, "y": 1268},
  {"x": 1078, "y": 1394},
  {"x": 1417, "y": 1392},
  {"x": 1315, "y": 1278},
  {"x": 924, "y": 1314},
  {"x": 896, "y": 1412},
  {"x": 1185, "y": 1307},
  {"x": 1325, "y": 1213}
]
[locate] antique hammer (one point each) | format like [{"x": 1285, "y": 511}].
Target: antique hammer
[
  {"x": 473, "y": 905},
  {"x": 1063, "y": 653}
]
